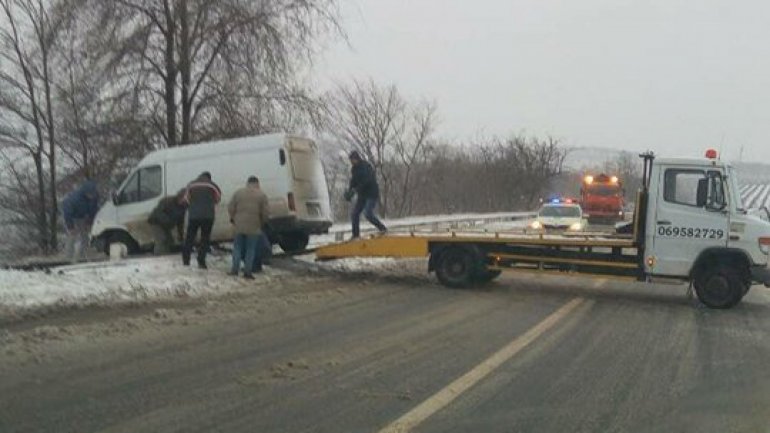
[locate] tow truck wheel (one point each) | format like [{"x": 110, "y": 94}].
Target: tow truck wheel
[
  {"x": 719, "y": 287},
  {"x": 486, "y": 275},
  {"x": 455, "y": 267},
  {"x": 745, "y": 290}
]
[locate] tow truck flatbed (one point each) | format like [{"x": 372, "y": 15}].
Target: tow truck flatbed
[{"x": 462, "y": 258}]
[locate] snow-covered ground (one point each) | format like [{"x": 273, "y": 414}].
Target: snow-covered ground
[
  {"x": 125, "y": 281},
  {"x": 158, "y": 278},
  {"x": 756, "y": 196},
  {"x": 431, "y": 219},
  {"x": 480, "y": 221}
]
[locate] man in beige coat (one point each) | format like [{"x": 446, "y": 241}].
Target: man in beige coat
[{"x": 248, "y": 212}]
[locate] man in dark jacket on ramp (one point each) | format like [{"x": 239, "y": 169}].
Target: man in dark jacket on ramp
[
  {"x": 363, "y": 183},
  {"x": 202, "y": 196}
]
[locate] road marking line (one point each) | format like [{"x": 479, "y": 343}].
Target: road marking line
[{"x": 442, "y": 398}]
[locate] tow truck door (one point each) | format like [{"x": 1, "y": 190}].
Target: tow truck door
[{"x": 683, "y": 224}]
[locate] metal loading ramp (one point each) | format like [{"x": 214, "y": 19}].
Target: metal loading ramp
[
  {"x": 421, "y": 244},
  {"x": 377, "y": 246}
]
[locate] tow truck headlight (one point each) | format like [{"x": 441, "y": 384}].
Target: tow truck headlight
[
  {"x": 764, "y": 244},
  {"x": 576, "y": 226},
  {"x": 536, "y": 225}
]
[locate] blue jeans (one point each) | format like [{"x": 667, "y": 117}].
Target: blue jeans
[
  {"x": 249, "y": 244},
  {"x": 366, "y": 206}
]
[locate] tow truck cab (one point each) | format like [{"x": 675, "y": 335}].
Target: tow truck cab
[{"x": 696, "y": 228}]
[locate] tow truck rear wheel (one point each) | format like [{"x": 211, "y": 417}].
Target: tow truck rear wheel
[
  {"x": 486, "y": 275},
  {"x": 456, "y": 267},
  {"x": 719, "y": 287}
]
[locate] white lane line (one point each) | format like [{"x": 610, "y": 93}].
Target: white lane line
[{"x": 442, "y": 398}]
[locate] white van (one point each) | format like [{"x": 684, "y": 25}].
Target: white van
[{"x": 288, "y": 167}]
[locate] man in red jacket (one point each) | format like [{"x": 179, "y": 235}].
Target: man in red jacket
[{"x": 202, "y": 197}]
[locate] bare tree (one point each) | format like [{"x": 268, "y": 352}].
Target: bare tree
[
  {"x": 393, "y": 134},
  {"x": 489, "y": 174},
  {"x": 27, "y": 41},
  {"x": 627, "y": 167},
  {"x": 100, "y": 124},
  {"x": 190, "y": 53}
]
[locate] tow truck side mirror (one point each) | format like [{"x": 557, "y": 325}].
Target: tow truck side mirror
[
  {"x": 702, "y": 195},
  {"x": 114, "y": 198}
]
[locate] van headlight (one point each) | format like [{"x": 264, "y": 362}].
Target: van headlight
[
  {"x": 576, "y": 226},
  {"x": 536, "y": 225}
]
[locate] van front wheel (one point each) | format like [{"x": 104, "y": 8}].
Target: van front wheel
[
  {"x": 121, "y": 238},
  {"x": 293, "y": 242}
]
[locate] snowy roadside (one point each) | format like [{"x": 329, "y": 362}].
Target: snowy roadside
[
  {"x": 133, "y": 280},
  {"x": 436, "y": 219},
  {"x": 164, "y": 278},
  {"x": 464, "y": 222}
]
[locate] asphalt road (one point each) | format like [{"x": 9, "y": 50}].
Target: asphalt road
[{"x": 358, "y": 354}]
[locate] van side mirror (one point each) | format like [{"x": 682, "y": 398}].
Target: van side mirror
[
  {"x": 703, "y": 190},
  {"x": 114, "y": 198}
]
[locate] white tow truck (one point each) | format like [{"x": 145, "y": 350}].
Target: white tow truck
[{"x": 689, "y": 225}]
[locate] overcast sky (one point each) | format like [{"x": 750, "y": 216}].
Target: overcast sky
[{"x": 674, "y": 76}]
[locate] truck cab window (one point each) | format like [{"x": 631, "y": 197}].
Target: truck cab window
[
  {"x": 680, "y": 186},
  {"x": 144, "y": 184}
]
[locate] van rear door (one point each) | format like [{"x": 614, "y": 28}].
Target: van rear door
[{"x": 309, "y": 192}]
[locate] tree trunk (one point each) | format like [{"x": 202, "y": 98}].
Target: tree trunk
[
  {"x": 53, "y": 226},
  {"x": 184, "y": 70},
  {"x": 170, "y": 81},
  {"x": 42, "y": 223}
]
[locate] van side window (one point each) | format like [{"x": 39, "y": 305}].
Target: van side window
[
  {"x": 680, "y": 186},
  {"x": 144, "y": 184}
]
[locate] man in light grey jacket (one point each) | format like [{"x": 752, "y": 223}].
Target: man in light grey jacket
[{"x": 248, "y": 212}]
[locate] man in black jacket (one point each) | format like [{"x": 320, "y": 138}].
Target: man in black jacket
[
  {"x": 202, "y": 196},
  {"x": 363, "y": 183}
]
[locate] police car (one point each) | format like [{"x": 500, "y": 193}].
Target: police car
[{"x": 559, "y": 215}]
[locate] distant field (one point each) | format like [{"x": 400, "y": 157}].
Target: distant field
[{"x": 756, "y": 195}]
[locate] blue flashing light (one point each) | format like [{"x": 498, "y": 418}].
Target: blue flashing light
[{"x": 555, "y": 200}]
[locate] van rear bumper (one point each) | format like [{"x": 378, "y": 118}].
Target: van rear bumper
[{"x": 761, "y": 275}]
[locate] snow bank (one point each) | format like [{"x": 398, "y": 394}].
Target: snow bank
[
  {"x": 481, "y": 222},
  {"x": 431, "y": 219},
  {"x": 130, "y": 280},
  {"x": 149, "y": 278}
]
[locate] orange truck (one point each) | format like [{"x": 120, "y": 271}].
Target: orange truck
[{"x": 601, "y": 197}]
